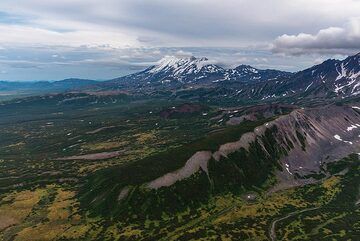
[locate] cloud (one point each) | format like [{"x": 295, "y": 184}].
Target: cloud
[
  {"x": 108, "y": 38},
  {"x": 182, "y": 53},
  {"x": 186, "y": 23},
  {"x": 333, "y": 40},
  {"x": 29, "y": 35}
]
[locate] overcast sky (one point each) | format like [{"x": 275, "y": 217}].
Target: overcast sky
[{"x": 51, "y": 40}]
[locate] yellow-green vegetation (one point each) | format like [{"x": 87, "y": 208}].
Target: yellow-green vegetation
[
  {"x": 62, "y": 206},
  {"x": 104, "y": 145},
  {"x": 332, "y": 188},
  {"x": 16, "y": 206},
  {"x": 92, "y": 167},
  {"x": 231, "y": 217},
  {"x": 44, "y": 198},
  {"x": 17, "y": 145},
  {"x": 143, "y": 138},
  {"x": 52, "y": 213},
  {"x": 337, "y": 217},
  {"x": 43, "y": 214}
]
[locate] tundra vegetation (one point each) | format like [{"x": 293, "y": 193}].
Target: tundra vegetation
[{"x": 52, "y": 189}]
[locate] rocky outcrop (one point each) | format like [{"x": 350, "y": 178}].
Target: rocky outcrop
[
  {"x": 326, "y": 134},
  {"x": 196, "y": 163},
  {"x": 310, "y": 137}
]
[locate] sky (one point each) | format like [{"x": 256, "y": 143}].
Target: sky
[{"x": 53, "y": 40}]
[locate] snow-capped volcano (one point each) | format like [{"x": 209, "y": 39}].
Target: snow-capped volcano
[
  {"x": 179, "y": 66},
  {"x": 175, "y": 71},
  {"x": 186, "y": 69}
]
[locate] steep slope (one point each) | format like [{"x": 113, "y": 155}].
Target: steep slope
[
  {"x": 330, "y": 78},
  {"x": 333, "y": 79},
  {"x": 309, "y": 138},
  {"x": 292, "y": 147}
]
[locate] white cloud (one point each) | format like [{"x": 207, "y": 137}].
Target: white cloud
[
  {"x": 182, "y": 53},
  {"x": 28, "y": 35},
  {"x": 332, "y": 40},
  {"x": 201, "y": 23}
]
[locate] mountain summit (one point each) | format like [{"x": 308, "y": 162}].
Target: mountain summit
[
  {"x": 176, "y": 72},
  {"x": 185, "y": 70},
  {"x": 179, "y": 66}
]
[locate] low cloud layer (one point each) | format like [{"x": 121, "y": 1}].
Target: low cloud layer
[
  {"x": 100, "y": 39},
  {"x": 332, "y": 40},
  {"x": 58, "y": 62}
]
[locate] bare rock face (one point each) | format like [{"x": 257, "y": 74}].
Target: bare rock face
[
  {"x": 231, "y": 147},
  {"x": 311, "y": 137},
  {"x": 198, "y": 161},
  {"x": 314, "y": 136},
  {"x": 325, "y": 134},
  {"x": 238, "y": 120}
]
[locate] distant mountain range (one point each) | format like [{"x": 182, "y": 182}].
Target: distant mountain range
[
  {"x": 330, "y": 79},
  {"x": 62, "y": 85}
]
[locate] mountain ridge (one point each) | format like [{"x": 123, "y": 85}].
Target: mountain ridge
[{"x": 330, "y": 79}]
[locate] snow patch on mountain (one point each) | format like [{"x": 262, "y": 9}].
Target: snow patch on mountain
[
  {"x": 182, "y": 65},
  {"x": 309, "y": 86}
]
